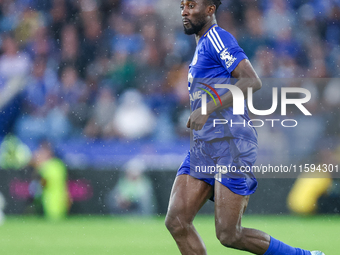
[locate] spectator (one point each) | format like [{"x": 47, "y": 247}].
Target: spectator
[
  {"x": 42, "y": 45},
  {"x": 41, "y": 117},
  {"x": 72, "y": 100},
  {"x": 133, "y": 192},
  {"x": 133, "y": 118},
  {"x": 310, "y": 187},
  {"x": 100, "y": 124},
  {"x": 13, "y": 62},
  {"x": 278, "y": 18},
  {"x": 2, "y": 208},
  {"x": 53, "y": 172},
  {"x": 254, "y": 37},
  {"x": 70, "y": 46}
]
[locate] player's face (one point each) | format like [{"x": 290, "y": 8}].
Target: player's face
[{"x": 193, "y": 16}]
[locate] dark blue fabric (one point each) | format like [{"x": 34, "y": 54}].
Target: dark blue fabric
[
  {"x": 277, "y": 247},
  {"x": 217, "y": 55},
  {"x": 233, "y": 153}
]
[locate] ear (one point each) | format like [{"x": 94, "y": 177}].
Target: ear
[{"x": 211, "y": 10}]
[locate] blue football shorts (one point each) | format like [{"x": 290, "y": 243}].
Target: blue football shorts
[{"x": 228, "y": 161}]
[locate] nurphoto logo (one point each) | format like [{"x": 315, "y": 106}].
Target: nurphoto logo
[{"x": 238, "y": 103}]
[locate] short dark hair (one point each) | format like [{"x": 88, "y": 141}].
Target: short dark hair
[{"x": 217, "y": 3}]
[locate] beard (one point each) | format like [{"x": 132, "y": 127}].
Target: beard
[{"x": 195, "y": 28}]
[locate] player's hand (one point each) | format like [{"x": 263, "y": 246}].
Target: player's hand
[{"x": 197, "y": 120}]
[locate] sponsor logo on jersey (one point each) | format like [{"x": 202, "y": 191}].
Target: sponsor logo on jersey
[
  {"x": 227, "y": 57},
  {"x": 196, "y": 95}
]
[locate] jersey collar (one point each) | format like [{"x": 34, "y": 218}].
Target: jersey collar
[{"x": 205, "y": 34}]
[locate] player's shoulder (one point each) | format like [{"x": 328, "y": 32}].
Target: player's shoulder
[
  {"x": 224, "y": 33},
  {"x": 219, "y": 39}
]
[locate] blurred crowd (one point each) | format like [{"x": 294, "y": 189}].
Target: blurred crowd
[{"x": 117, "y": 69}]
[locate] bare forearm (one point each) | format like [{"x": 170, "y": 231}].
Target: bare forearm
[{"x": 227, "y": 98}]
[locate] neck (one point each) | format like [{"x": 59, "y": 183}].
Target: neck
[{"x": 205, "y": 29}]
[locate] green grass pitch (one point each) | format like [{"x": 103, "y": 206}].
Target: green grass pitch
[{"x": 139, "y": 236}]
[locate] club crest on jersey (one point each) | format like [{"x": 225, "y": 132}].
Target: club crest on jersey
[
  {"x": 194, "y": 61},
  {"x": 227, "y": 57},
  {"x": 190, "y": 80}
]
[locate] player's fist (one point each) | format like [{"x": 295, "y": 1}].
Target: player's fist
[{"x": 197, "y": 120}]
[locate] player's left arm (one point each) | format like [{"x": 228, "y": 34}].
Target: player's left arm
[{"x": 247, "y": 77}]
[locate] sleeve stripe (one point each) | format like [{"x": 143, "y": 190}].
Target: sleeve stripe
[
  {"x": 215, "y": 40},
  {"x": 212, "y": 42},
  {"x": 218, "y": 37}
]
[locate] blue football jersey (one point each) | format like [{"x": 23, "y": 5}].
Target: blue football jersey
[{"x": 217, "y": 55}]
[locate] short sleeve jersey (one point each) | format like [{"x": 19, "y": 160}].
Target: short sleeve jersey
[{"x": 217, "y": 55}]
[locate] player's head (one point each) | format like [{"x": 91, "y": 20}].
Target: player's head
[
  {"x": 217, "y": 3},
  {"x": 197, "y": 13}
]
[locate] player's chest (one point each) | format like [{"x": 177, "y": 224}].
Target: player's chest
[{"x": 203, "y": 65}]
